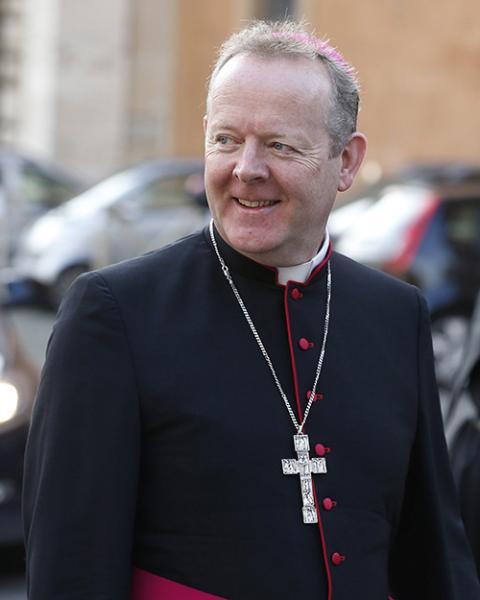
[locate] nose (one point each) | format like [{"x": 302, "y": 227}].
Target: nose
[{"x": 251, "y": 165}]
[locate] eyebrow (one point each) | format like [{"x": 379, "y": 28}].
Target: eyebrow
[
  {"x": 293, "y": 137},
  {"x": 267, "y": 134},
  {"x": 221, "y": 125}
]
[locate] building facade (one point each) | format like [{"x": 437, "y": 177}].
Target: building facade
[{"x": 97, "y": 86}]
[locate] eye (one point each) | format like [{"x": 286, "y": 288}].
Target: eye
[
  {"x": 223, "y": 140},
  {"x": 281, "y": 147}
]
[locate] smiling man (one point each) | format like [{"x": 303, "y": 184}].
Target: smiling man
[
  {"x": 246, "y": 414},
  {"x": 271, "y": 175}
]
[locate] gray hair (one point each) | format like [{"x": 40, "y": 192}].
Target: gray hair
[{"x": 288, "y": 38}]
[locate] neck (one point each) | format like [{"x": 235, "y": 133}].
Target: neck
[{"x": 280, "y": 259}]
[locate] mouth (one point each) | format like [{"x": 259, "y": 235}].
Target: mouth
[{"x": 255, "y": 203}]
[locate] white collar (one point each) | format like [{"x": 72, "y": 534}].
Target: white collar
[{"x": 302, "y": 272}]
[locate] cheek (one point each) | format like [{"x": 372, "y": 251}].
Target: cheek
[
  {"x": 216, "y": 184},
  {"x": 298, "y": 184},
  {"x": 217, "y": 173},
  {"x": 314, "y": 196}
]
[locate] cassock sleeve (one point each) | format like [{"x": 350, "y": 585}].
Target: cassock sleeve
[
  {"x": 431, "y": 558},
  {"x": 81, "y": 464}
]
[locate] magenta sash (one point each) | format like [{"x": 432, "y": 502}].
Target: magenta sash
[{"x": 147, "y": 586}]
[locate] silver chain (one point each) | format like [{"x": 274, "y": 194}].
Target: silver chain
[{"x": 226, "y": 272}]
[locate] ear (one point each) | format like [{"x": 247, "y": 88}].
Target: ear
[{"x": 351, "y": 159}]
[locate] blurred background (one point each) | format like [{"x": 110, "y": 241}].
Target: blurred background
[
  {"x": 101, "y": 139},
  {"x": 98, "y": 86}
]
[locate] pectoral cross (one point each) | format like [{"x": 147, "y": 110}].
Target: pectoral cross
[{"x": 304, "y": 466}]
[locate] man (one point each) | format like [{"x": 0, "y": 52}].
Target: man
[{"x": 244, "y": 414}]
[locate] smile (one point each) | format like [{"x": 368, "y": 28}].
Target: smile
[{"x": 255, "y": 203}]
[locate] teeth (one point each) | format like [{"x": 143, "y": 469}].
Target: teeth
[{"x": 256, "y": 203}]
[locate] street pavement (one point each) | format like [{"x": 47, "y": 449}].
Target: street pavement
[
  {"x": 12, "y": 580},
  {"x": 33, "y": 327},
  {"x": 12, "y": 587}
]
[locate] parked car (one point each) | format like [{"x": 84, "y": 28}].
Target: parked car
[
  {"x": 28, "y": 188},
  {"x": 424, "y": 229},
  {"x": 462, "y": 419},
  {"x": 18, "y": 383},
  {"x": 350, "y": 206},
  {"x": 125, "y": 215}
]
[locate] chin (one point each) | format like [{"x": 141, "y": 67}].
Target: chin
[
  {"x": 249, "y": 248},
  {"x": 243, "y": 241},
  {"x": 264, "y": 253},
  {"x": 262, "y": 243}
]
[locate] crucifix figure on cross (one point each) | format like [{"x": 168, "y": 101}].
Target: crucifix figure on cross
[{"x": 305, "y": 467}]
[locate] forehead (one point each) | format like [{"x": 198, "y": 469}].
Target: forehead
[{"x": 276, "y": 83}]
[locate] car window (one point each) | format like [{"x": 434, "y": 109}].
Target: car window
[
  {"x": 378, "y": 232},
  {"x": 163, "y": 192},
  {"x": 463, "y": 223},
  {"x": 40, "y": 189}
]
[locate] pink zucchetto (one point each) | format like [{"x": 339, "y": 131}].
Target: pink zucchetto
[
  {"x": 321, "y": 47},
  {"x": 290, "y": 39}
]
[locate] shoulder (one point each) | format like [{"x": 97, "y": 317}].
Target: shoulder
[
  {"x": 139, "y": 283},
  {"x": 151, "y": 272},
  {"x": 364, "y": 276},
  {"x": 180, "y": 254},
  {"x": 371, "y": 288},
  {"x": 367, "y": 279}
]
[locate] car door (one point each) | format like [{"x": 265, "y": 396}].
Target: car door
[
  {"x": 447, "y": 269},
  {"x": 152, "y": 215}
]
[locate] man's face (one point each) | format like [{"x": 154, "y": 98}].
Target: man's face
[{"x": 269, "y": 179}]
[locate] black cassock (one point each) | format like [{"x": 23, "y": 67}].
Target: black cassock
[{"x": 158, "y": 434}]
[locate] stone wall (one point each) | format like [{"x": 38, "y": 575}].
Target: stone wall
[
  {"x": 419, "y": 66},
  {"x": 105, "y": 84}
]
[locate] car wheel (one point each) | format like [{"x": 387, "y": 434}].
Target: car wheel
[
  {"x": 449, "y": 334},
  {"x": 57, "y": 291}
]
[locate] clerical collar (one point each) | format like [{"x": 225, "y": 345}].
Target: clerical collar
[
  {"x": 302, "y": 272},
  {"x": 240, "y": 264}
]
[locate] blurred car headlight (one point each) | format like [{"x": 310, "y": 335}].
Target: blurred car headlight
[{"x": 9, "y": 402}]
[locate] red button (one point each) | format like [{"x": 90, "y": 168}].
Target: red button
[
  {"x": 296, "y": 294},
  {"x": 321, "y": 450},
  {"x": 328, "y": 503},
  {"x": 337, "y": 558},
  {"x": 305, "y": 344}
]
